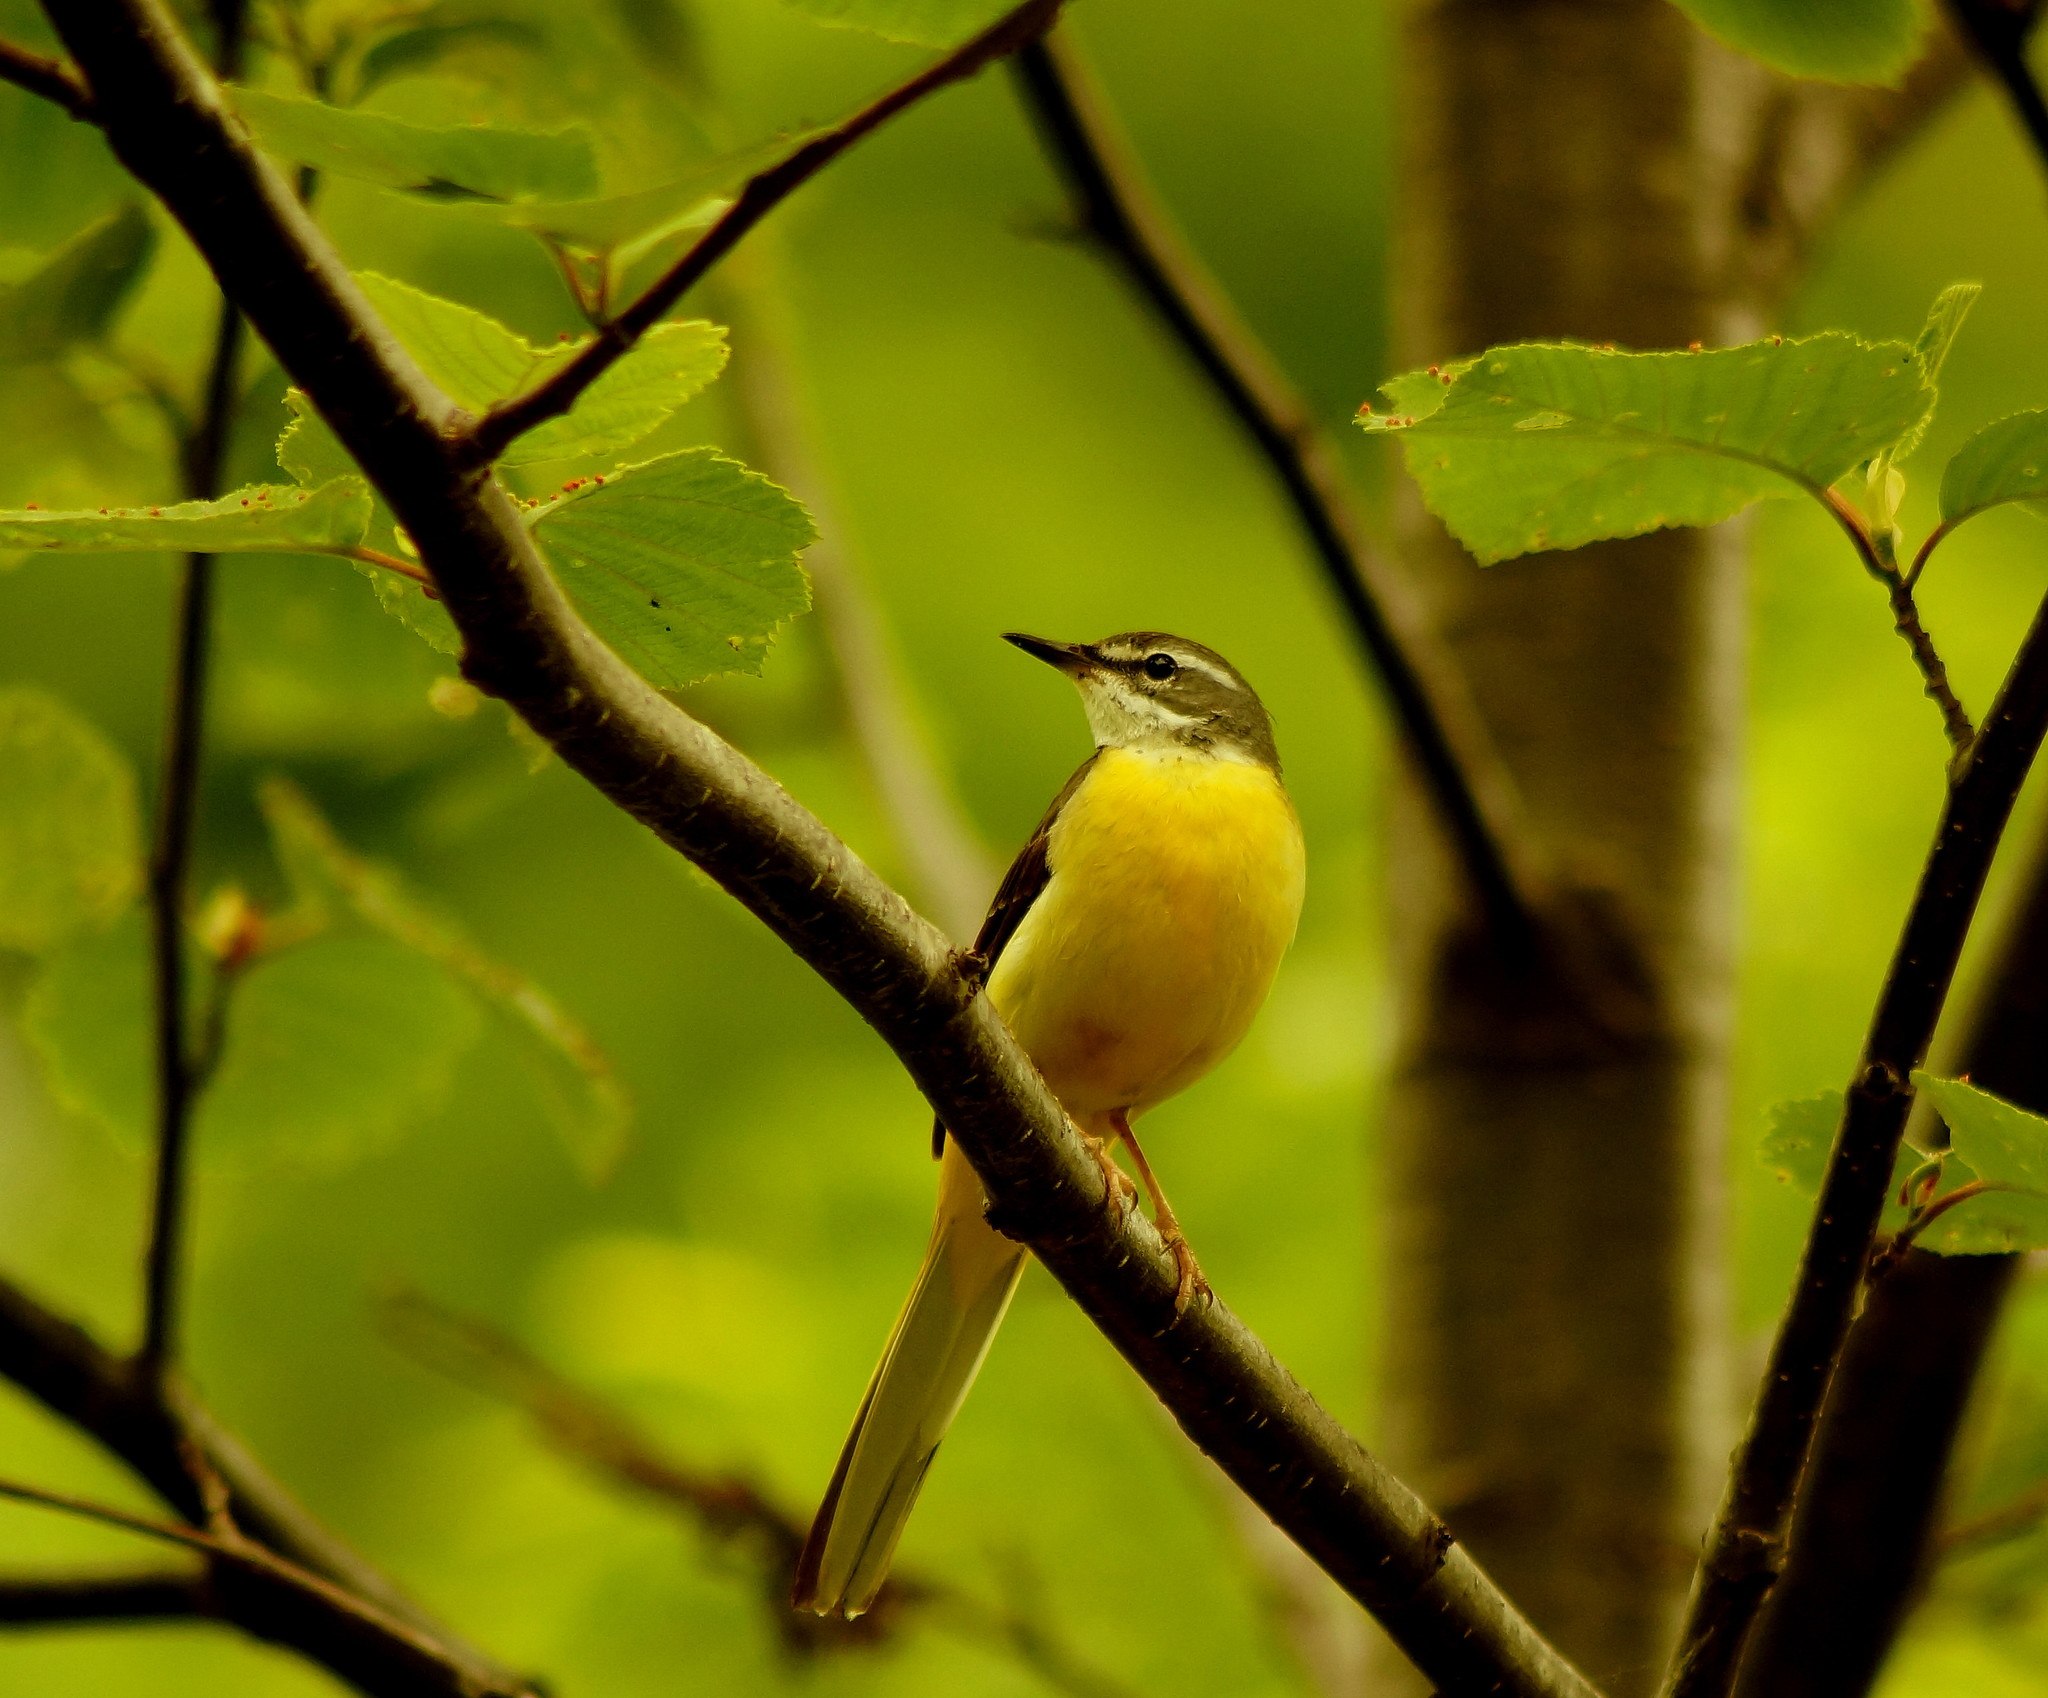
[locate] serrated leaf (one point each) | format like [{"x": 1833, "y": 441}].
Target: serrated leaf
[
  {"x": 579, "y": 1085},
  {"x": 333, "y": 1048},
  {"x": 308, "y": 449},
  {"x": 1854, "y": 41},
  {"x": 2001, "y": 1141},
  {"x": 2004, "y": 462},
  {"x": 685, "y": 565},
  {"x": 2006, "y": 1147},
  {"x": 263, "y": 518},
  {"x": 928, "y": 23},
  {"x": 70, "y": 832},
  {"x": 74, "y": 295},
  {"x": 479, "y": 361},
  {"x": 470, "y": 162},
  {"x": 1931, "y": 349},
  {"x": 1553, "y": 445}
]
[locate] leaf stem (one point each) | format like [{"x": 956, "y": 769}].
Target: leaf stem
[
  {"x": 505, "y": 423},
  {"x": 49, "y": 78},
  {"x": 389, "y": 562},
  {"x": 1879, "y": 561}
]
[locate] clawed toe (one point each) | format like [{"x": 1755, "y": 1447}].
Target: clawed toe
[{"x": 1191, "y": 1279}]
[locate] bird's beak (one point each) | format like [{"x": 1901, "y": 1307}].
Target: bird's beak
[{"x": 1071, "y": 658}]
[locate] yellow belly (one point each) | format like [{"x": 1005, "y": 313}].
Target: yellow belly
[{"x": 1176, "y": 885}]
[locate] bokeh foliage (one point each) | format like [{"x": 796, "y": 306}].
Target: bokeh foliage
[{"x": 1012, "y": 447}]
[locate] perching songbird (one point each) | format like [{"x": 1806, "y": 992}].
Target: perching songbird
[{"x": 1129, "y": 946}]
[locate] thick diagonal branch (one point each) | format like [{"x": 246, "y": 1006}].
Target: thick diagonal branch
[
  {"x": 523, "y": 642},
  {"x": 759, "y": 196},
  {"x": 1746, "y": 1547},
  {"x": 1471, "y": 792}
]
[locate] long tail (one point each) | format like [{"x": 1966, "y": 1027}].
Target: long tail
[{"x": 936, "y": 1350}]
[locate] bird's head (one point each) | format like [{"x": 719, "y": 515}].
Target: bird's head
[{"x": 1148, "y": 690}]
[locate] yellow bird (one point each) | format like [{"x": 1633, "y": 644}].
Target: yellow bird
[{"x": 1130, "y": 945}]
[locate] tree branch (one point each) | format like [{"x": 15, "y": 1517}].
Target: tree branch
[
  {"x": 1472, "y": 795},
  {"x": 274, "y": 1600},
  {"x": 523, "y": 642},
  {"x": 505, "y": 423},
  {"x": 156, "y": 1428},
  {"x": 51, "y": 79},
  {"x": 1998, "y": 30},
  {"x": 102, "y": 1599},
  {"x": 1746, "y": 1546}
]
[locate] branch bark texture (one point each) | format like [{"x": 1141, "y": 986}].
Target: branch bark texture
[{"x": 166, "y": 122}]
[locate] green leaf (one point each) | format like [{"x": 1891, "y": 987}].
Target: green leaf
[
  {"x": 75, "y": 294},
  {"x": 262, "y": 518},
  {"x": 480, "y": 361},
  {"x": 1552, "y": 445},
  {"x": 929, "y": 23},
  {"x": 2001, "y": 1141},
  {"x": 1854, "y": 41},
  {"x": 333, "y": 1048},
  {"x": 70, "y": 833},
  {"x": 308, "y": 449},
  {"x": 429, "y": 46},
  {"x": 2004, "y": 462},
  {"x": 88, "y": 1019},
  {"x": 579, "y": 1086},
  {"x": 1937, "y": 336},
  {"x": 1798, "y": 1137},
  {"x": 2003, "y": 1145},
  {"x": 685, "y": 565},
  {"x": 471, "y": 162}
]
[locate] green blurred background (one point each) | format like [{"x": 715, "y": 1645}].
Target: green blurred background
[{"x": 1010, "y": 445}]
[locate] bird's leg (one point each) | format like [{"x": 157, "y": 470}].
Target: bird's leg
[
  {"x": 1191, "y": 1279},
  {"x": 1118, "y": 1191}
]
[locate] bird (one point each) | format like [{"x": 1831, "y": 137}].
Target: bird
[{"x": 1128, "y": 948}]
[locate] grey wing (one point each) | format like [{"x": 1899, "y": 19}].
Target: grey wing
[{"x": 1029, "y": 874}]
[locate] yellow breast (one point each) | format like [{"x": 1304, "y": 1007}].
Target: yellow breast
[{"x": 1176, "y": 885}]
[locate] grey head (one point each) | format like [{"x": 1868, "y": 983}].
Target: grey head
[{"x": 1149, "y": 690}]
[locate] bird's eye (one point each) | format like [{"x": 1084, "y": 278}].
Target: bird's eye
[{"x": 1160, "y": 666}]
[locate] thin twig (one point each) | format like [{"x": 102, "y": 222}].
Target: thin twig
[
  {"x": 727, "y": 1507},
  {"x": 760, "y": 195},
  {"x": 1878, "y": 560},
  {"x": 168, "y": 125},
  {"x": 2012, "y": 1520},
  {"x": 1473, "y": 796},
  {"x": 178, "y": 1081},
  {"x": 52, "y": 79},
  {"x": 1746, "y": 1546},
  {"x": 274, "y": 1599},
  {"x": 102, "y": 1599}
]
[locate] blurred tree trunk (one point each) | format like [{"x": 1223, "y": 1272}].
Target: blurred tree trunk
[{"x": 1554, "y": 1367}]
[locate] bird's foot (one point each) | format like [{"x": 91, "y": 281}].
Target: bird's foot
[
  {"x": 1120, "y": 1196},
  {"x": 1191, "y": 1280}
]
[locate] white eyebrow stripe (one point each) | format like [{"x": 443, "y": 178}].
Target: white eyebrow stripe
[{"x": 1194, "y": 663}]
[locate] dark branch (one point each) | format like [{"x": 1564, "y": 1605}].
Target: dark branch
[
  {"x": 507, "y": 422},
  {"x": 726, "y": 1507},
  {"x": 155, "y": 1428},
  {"x": 52, "y": 79},
  {"x": 1746, "y": 1547},
  {"x": 101, "y": 1599},
  {"x": 1998, "y": 30},
  {"x": 277, "y": 1601},
  {"x": 1472, "y": 795},
  {"x": 525, "y": 643}
]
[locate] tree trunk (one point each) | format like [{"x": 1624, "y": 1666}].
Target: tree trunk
[{"x": 1555, "y": 1358}]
